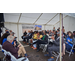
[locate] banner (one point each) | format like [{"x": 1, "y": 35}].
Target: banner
[
  {"x": 38, "y": 27},
  {"x": 31, "y": 27}
]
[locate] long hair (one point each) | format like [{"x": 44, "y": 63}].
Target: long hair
[
  {"x": 71, "y": 34},
  {"x": 5, "y": 35}
]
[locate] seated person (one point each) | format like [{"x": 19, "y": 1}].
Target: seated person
[
  {"x": 54, "y": 47},
  {"x": 35, "y": 37},
  {"x": 6, "y": 31},
  {"x": 24, "y": 34},
  {"x": 69, "y": 42},
  {"x": 4, "y": 38},
  {"x": 74, "y": 37},
  {"x": 29, "y": 36},
  {"x": 44, "y": 40},
  {"x": 51, "y": 33},
  {"x": 17, "y": 52}
]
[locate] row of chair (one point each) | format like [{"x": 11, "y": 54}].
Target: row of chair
[{"x": 55, "y": 54}]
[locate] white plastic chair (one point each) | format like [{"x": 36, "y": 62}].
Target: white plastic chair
[{"x": 13, "y": 58}]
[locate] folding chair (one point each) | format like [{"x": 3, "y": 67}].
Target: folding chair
[
  {"x": 70, "y": 51},
  {"x": 57, "y": 55},
  {"x": 44, "y": 46},
  {"x": 13, "y": 58}
]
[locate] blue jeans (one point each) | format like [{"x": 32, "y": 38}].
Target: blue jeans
[
  {"x": 68, "y": 47},
  {"x": 34, "y": 44},
  {"x": 27, "y": 37}
]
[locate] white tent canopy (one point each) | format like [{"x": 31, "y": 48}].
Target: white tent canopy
[{"x": 34, "y": 18}]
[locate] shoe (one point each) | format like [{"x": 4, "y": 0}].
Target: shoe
[
  {"x": 51, "y": 59},
  {"x": 46, "y": 55},
  {"x": 32, "y": 47}
]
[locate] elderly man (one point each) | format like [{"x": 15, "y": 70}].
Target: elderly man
[{"x": 11, "y": 48}]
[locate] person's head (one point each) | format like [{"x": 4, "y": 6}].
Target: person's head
[
  {"x": 6, "y": 31},
  {"x": 10, "y": 38},
  {"x": 63, "y": 27},
  {"x": 5, "y": 35},
  {"x": 74, "y": 33},
  {"x": 70, "y": 34},
  {"x": 10, "y": 31},
  {"x": 53, "y": 27},
  {"x": 40, "y": 33},
  {"x": 34, "y": 32},
  {"x": 44, "y": 33},
  {"x": 47, "y": 30},
  {"x": 28, "y": 31}
]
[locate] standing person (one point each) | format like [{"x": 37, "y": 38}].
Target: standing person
[
  {"x": 63, "y": 30},
  {"x": 54, "y": 29}
]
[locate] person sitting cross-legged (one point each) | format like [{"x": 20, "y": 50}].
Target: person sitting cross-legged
[
  {"x": 16, "y": 52},
  {"x": 43, "y": 40},
  {"x": 54, "y": 47},
  {"x": 29, "y": 36}
]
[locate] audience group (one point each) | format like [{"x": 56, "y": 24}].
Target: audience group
[{"x": 35, "y": 39}]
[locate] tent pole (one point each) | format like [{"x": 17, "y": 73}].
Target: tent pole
[
  {"x": 18, "y": 25},
  {"x": 18, "y": 31},
  {"x": 60, "y": 37}
]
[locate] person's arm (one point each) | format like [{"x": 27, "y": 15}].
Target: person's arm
[
  {"x": 56, "y": 42},
  {"x": 4, "y": 40},
  {"x": 70, "y": 41},
  {"x": 13, "y": 49}
]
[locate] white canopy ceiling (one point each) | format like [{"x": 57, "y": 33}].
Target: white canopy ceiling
[{"x": 34, "y": 18}]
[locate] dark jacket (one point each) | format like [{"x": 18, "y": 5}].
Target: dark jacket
[
  {"x": 25, "y": 33},
  {"x": 46, "y": 39},
  {"x": 57, "y": 42},
  {"x": 9, "y": 47}
]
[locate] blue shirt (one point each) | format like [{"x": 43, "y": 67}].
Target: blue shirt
[
  {"x": 68, "y": 38},
  {"x": 5, "y": 39}
]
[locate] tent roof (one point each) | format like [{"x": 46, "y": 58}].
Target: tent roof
[{"x": 34, "y": 18}]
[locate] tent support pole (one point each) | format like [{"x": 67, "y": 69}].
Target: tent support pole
[{"x": 60, "y": 34}]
